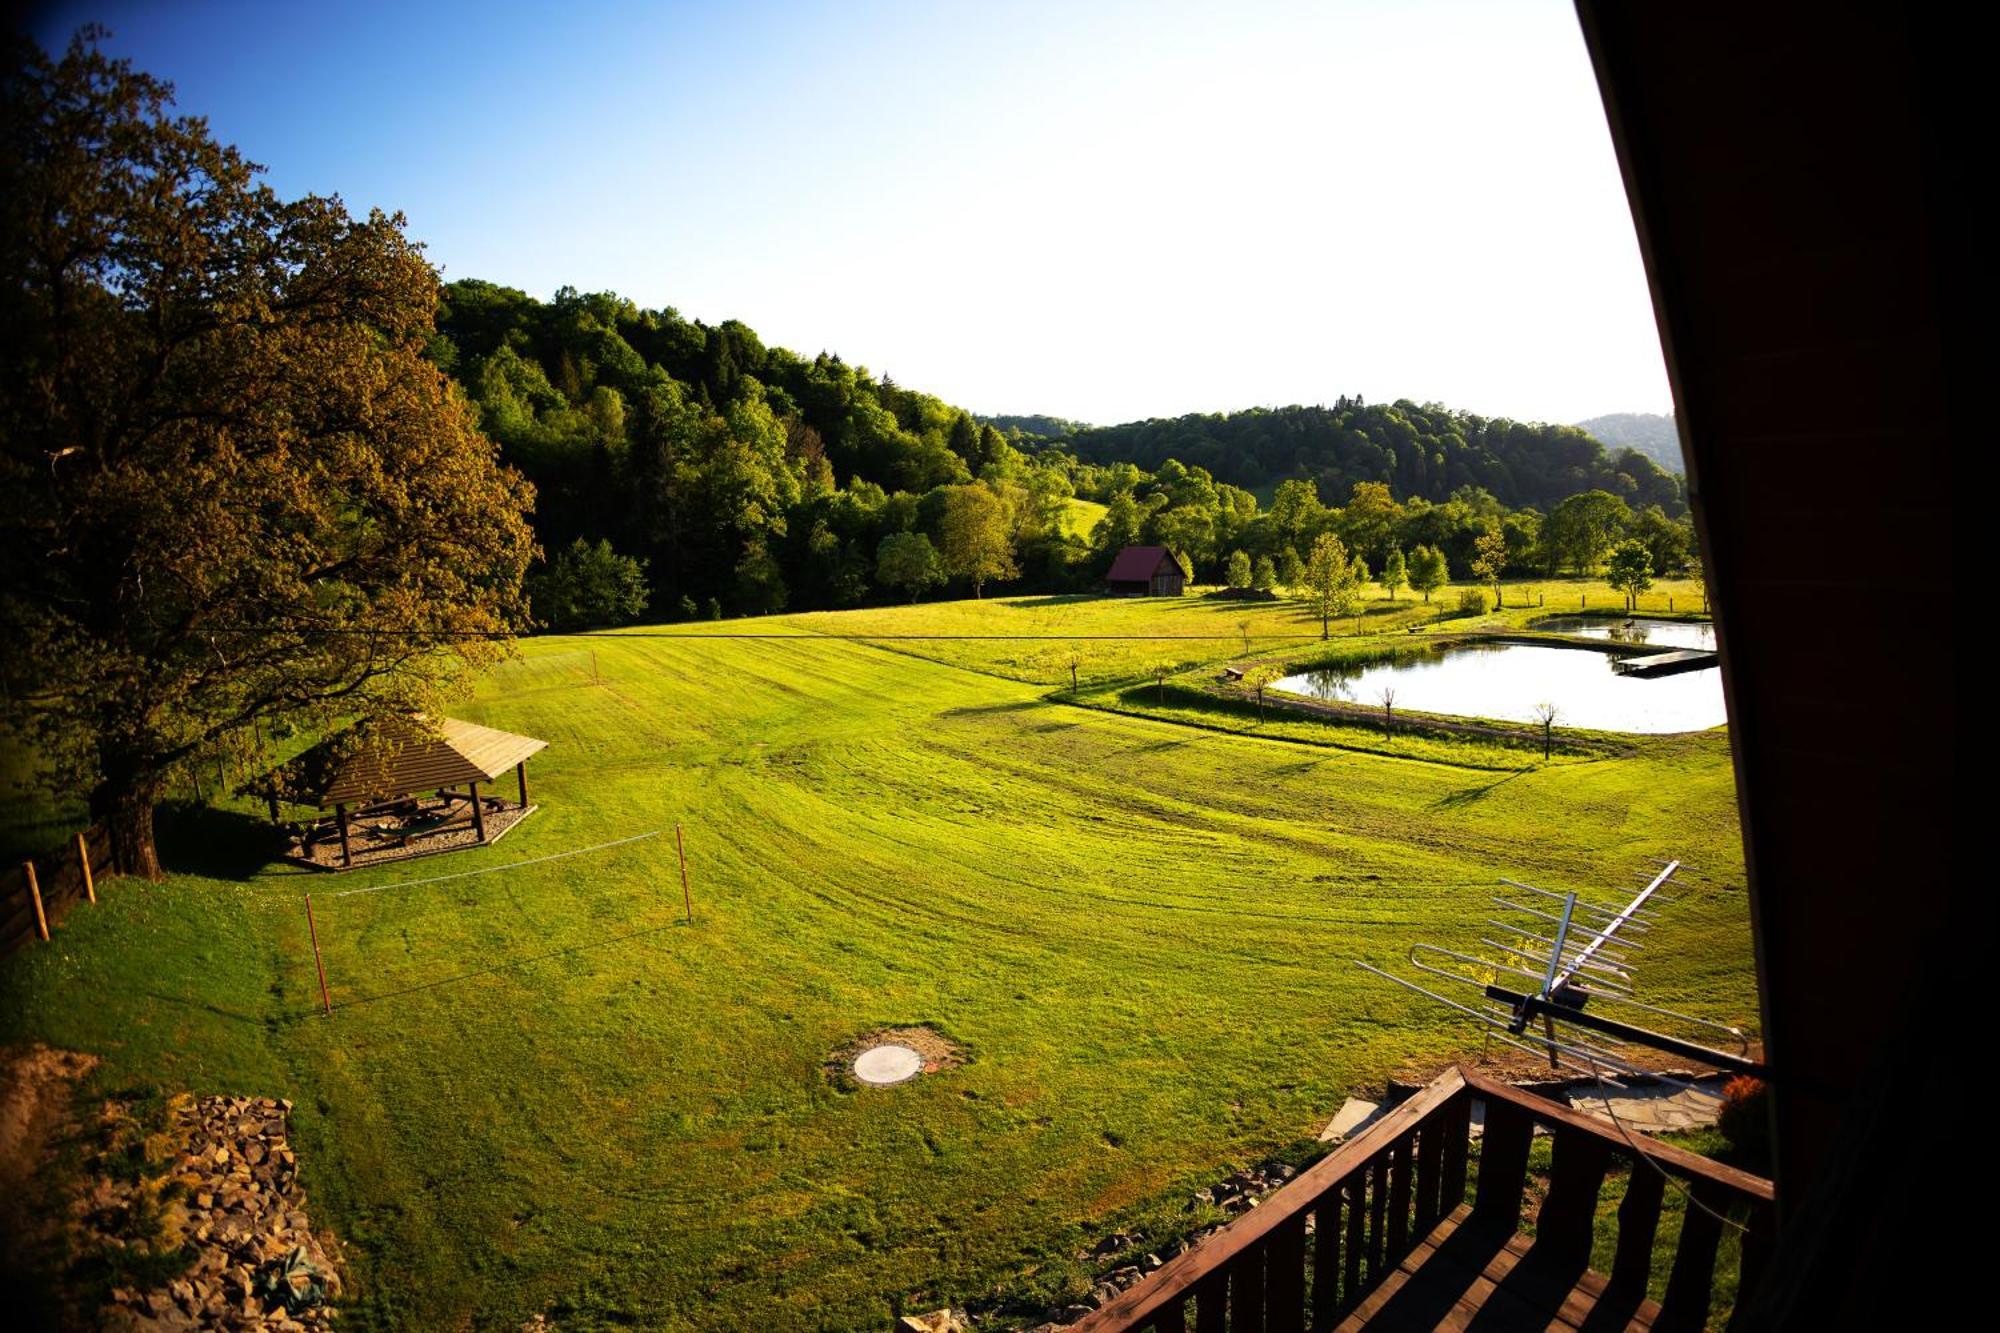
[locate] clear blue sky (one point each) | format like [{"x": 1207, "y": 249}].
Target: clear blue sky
[{"x": 1098, "y": 210}]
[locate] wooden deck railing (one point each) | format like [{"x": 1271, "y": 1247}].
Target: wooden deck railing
[{"x": 1372, "y": 1200}]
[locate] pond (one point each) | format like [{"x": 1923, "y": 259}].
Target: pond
[
  {"x": 1506, "y": 680},
  {"x": 1636, "y": 629}
]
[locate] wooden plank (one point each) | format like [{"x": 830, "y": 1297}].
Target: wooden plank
[
  {"x": 1326, "y": 1261},
  {"x": 1456, "y": 1122},
  {"x": 1693, "y": 1278},
  {"x": 1677, "y": 1160},
  {"x": 1285, "y": 1277},
  {"x": 1378, "y": 1217},
  {"x": 1211, "y": 1304},
  {"x": 1357, "y": 1234},
  {"x": 1491, "y": 1284},
  {"x": 1638, "y": 1225},
  {"x": 1132, "y": 1308},
  {"x": 1503, "y": 1165},
  {"x": 1563, "y": 1228},
  {"x": 1246, "y": 1290},
  {"x": 1758, "y": 1243},
  {"x": 1430, "y": 1166},
  {"x": 1400, "y": 1170}
]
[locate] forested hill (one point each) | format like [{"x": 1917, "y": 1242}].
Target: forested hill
[
  {"x": 1650, "y": 433},
  {"x": 683, "y": 470},
  {"x": 1423, "y": 451}
]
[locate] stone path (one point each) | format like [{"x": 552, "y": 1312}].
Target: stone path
[{"x": 1650, "y": 1108}]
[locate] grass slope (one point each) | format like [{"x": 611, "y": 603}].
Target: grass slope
[{"x": 540, "y": 1092}]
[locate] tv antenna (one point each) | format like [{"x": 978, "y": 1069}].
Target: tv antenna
[{"x": 1579, "y": 956}]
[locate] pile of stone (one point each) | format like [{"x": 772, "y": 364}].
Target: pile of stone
[
  {"x": 257, "y": 1262},
  {"x": 1236, "y": 1194}
]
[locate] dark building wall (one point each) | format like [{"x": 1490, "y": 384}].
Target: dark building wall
[{"x": 1784, "y": 166}]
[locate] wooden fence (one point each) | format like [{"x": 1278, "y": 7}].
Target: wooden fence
[{"x": 36, "y": 894}]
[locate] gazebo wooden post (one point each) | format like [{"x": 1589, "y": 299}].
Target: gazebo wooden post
[
  {"x": 478, "y": 815},
  {"x": 346, "y": 852},
  {"x": 521, "y": 772}
]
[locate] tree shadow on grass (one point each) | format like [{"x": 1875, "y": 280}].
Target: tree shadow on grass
[
  {"x": 198, "y": 839},
  {"x": 980, "y": 710},
  {"x": 1052, "y": 599},
  {"x": 1473, "y": 795}
]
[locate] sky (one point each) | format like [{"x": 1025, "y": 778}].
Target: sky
[{"x": 1095, "y": 210}]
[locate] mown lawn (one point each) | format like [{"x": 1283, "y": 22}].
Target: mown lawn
[{"x": 540, "y": 1091}]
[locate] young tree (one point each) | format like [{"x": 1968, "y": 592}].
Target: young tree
[
  {"x": 1427, "y": 570},
  {"x": 1489, "y": 559},
  {"x": 1333, "y": 581},
  {"x": 1239, "y": 574},
  {"x": 907, "y": 561},
  {"x": 1265, "y": 575},
  {"x": 1631, "y": 571},
  {"x": 1260, "y": 678},
  {"x": 233, "y": 490},
  {"x": 1395, "y": 572},
  {"x": 588, "y": 586},
  {"x": 1291, "y": 569},
  {"x": 973, "y": 536},
  {"x": 1546, "y": 714},
  {"x": 1387, "y": 696}
]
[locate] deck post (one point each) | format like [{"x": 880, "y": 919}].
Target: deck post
[
  {"x": 346, "y": 852},
  {"x": 272, "y": 803},
  {"x": 478, "y": 815},
  {"x": 521, "y": 772}
]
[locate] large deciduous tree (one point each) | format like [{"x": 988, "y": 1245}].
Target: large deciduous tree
[
  {"x": 973, "y": 536},
  {"x": 232, "y": 489}
]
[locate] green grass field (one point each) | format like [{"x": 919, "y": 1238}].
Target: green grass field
[{"x": 540, "y": 1092}]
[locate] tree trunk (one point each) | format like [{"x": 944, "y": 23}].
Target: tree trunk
[{"x": 123, "y": 803}]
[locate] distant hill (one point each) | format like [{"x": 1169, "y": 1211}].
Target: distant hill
[
  {"x": 1650, "y": 433},
  {"x": 1040, "y": 427}
]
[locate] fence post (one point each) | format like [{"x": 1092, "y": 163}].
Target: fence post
[
  {"x": 325, "y": 1000},
  {"x": 35, "y": 892},
  {"x": 681, "y": 846},
  {"x": 83, "y": 861}
]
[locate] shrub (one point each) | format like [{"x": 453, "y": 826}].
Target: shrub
[
  {"x": 1472, "y": 602},
  {"x": 1746, "y": 1122}
]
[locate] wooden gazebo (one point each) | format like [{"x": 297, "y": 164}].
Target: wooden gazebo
[{"x": 409, "y": 785}]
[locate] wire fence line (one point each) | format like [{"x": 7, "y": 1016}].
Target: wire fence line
[
  {"x": 490, "y": 870},
  {"x": 805, "y": 636}
]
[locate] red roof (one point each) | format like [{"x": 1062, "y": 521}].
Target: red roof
[{"x": 1138, "y": 564}]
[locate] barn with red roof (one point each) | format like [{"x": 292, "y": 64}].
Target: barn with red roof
[{"x": 1146, "y": 571}]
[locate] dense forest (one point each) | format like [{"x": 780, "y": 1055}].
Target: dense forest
[{"x": 684, "y": 470}]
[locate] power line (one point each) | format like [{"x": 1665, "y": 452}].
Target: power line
[{"x": 808, "y": 636}]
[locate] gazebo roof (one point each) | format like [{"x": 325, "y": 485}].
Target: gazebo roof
[{"x": 391, "y": 757}]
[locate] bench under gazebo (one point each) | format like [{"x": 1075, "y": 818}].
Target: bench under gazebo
[{"x": 400, "y": 787}]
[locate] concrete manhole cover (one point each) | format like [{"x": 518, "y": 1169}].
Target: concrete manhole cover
[{"x": 887, "y": 1063}]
